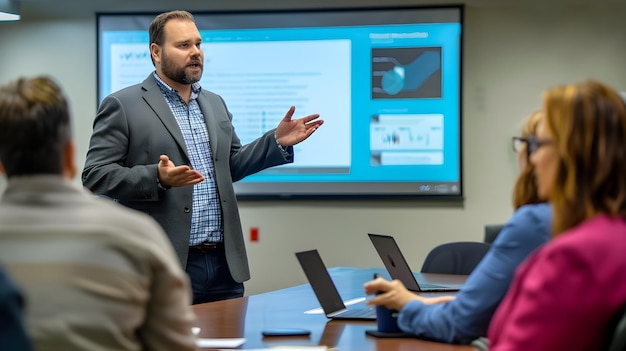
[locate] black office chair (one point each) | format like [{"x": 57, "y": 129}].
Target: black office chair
[
  {"x": 455, "y": 258},
  {"x": 616, "y": 338},
  {"x": 492, "y": 231}
]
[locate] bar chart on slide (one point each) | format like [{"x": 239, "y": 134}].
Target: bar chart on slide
[{"x": 406, "y": 139}]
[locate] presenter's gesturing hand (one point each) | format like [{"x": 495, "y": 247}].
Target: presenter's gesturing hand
[
  {"x": 293, "y": 131},
  {"x": 171, "y": 175}
]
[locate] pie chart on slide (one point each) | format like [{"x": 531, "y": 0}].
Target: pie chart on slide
[
  {"x": 393, "y": 80},
  {"x": 406, "y": 73}
]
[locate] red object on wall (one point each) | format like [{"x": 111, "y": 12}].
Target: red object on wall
[{"x": 254, "y": 234}]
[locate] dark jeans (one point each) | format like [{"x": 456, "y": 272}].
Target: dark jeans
[{"x": 210, "y": 277}]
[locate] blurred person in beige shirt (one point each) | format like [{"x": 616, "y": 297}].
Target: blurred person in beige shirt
[{"x": 95, "y": 275}]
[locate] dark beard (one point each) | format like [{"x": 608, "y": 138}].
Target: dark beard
[{"x": 179, "y": 75}]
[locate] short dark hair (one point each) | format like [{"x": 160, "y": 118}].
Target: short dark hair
[
  {"x": 34, "y": 126},
  {"x": 156, "y": 30}
]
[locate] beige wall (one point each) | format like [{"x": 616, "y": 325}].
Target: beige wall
[{"x": 510, "y": 55}]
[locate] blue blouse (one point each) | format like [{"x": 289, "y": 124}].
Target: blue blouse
[{"x": 467, "y": 316}]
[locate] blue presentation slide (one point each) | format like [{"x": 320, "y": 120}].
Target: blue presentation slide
[{"x": 388, "y": 94}]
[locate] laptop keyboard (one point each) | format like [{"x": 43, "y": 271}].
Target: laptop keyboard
[
  {"x": 431, "y": 286},
  {"x": 359, "y": 313}
]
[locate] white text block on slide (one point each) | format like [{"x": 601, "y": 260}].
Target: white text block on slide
[{"x": 260, "y": 80}]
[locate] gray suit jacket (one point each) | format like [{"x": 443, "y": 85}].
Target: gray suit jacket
[{"x": 134, "y": 126}]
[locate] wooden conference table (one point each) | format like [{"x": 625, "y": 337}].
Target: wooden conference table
[{"x": 246, "y": 317}]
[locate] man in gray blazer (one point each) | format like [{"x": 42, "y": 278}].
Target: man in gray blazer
[
  {"x": 95, "y": 275},
  {"x": 167, "y": 147}
]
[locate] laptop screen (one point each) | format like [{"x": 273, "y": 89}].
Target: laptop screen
[
  {"x": 394, "y": 261},
  {"x": 321, "y": 282}
]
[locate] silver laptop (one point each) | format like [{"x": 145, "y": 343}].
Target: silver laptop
[
  {"x": 326, "y": 291},
  {"x": 398, "y": 268}
]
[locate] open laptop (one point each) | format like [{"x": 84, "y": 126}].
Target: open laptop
[
  {"x": 326, "y": 291},
  {"x": 398, "y": 268}
]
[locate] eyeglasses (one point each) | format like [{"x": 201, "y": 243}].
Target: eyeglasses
[{"x": 533, "y": 144}]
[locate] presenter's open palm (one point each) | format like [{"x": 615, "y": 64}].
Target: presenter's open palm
[
  {"x": 293, "y": 131},
  {"x": 171, "y": 175}
]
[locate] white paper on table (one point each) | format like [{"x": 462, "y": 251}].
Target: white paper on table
[
  {"x": 319, "y": 310},
  {"x": 214, "y": 343},
  {"x": 298, "y": 347},
  {"x": 291, "y": 348}
]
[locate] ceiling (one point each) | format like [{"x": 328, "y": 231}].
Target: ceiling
[{"x": 58, "y": 9}]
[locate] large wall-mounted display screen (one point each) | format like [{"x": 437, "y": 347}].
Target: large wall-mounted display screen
[{"x": 386, "y": 81}]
